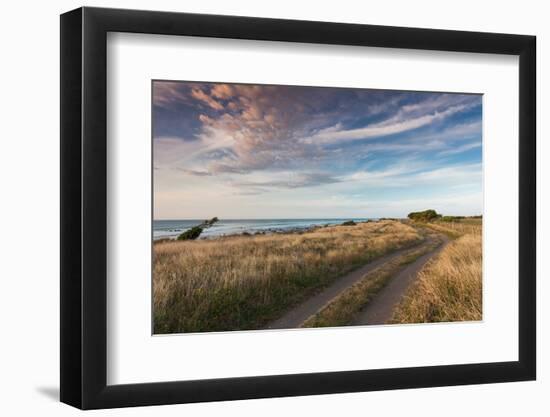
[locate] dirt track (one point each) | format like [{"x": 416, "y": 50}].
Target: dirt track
[{"x": 379, "y": 310}]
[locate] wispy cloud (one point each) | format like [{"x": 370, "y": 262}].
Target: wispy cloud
[
  {"x": 419, "y": 175},
  {"x": 461, "y": 148},
  {"x": 291, "y": 180},
  {"x": 166, "y": 93},
  {"x": 195, "y": 172},
  {"x": 382, "y": 129},
  {"x": 251, "y": 140}
]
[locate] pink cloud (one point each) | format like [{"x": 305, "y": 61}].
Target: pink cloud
[
  {"x": 205, "y": 98},
  {"x": 222, "y": 91}
]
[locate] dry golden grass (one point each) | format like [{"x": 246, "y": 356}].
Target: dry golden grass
[
  {"x": 341, "y": 310},
  {"x": 458, "y": 228},
  {"x": 449, "y": 288},
  {"x": 243, "y": 282}
]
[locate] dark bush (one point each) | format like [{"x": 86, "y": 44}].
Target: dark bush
[
  {"x": 208, "y": 223},
  {"x": 349, "y": 223},
  {"x": 424, "y": 216},
  {"x": 195, "y": 231},
  {"x": 191, "y": 234}
]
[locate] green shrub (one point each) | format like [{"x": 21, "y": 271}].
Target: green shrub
[
  {"x": 349, "y": 223},
  {"x": 195, "y": 231},
  {"x": 424, "y": 216},
  {"x": 210, "y": 222},
  {"x": 191, "y": 234}
]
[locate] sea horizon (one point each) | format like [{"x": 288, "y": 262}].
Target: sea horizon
[{"x": 171, "y": 228}]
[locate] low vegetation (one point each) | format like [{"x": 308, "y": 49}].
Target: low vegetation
[
  {"x": 343, "y": 308},
  {"x": 194, "y": 232},
  {"x": 349, "y": 223},
  {"x": 243, "y": 282},
  {"x": 456, "y": 229},
  {"x": 191, "y": 234},
  {"x": 449, "y": 288},
  {"x": 431, "y": 215},
  {"x": 424, "y": 216}
]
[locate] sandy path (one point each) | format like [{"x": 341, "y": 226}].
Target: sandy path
[
  {"x": 296, "y": 316},
  {"x": 380, "y": 309}
]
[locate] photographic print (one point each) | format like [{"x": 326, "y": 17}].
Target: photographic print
[{"x": 284, "y": 207}]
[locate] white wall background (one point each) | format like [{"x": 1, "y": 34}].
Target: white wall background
[{"x": 29, "y": 219}]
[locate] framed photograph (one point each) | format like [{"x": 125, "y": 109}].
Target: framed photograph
[{"x": 259, "y": 208}]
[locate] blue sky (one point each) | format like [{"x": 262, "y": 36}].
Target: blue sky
[{"x": 261, "y": 151}]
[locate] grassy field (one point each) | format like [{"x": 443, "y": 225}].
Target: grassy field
[
  {"x": 449, "y": 288},
  {"x": 457, "y": 229},
  {"x": 243, "y": 282}
]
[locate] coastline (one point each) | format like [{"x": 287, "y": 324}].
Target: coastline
[{"x": 236, "y": 227}]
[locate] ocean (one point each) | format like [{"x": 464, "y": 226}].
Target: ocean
[{"x": 172, "y": 228}]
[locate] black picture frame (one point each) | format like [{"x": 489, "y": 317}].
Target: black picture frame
[{"x": 84, "y": 207}]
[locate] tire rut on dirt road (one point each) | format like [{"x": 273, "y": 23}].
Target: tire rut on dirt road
[
  {"x": 380, "y": 309},
  {"x": 299, "y": 314}
]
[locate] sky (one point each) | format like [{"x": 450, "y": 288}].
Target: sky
[{"x": 244, "y": 151}]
